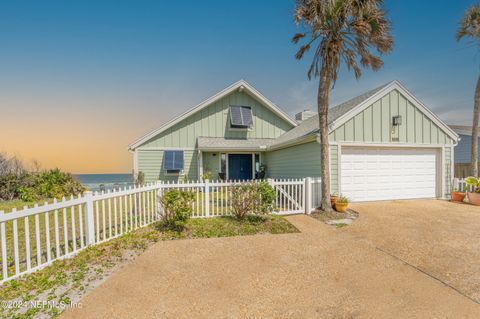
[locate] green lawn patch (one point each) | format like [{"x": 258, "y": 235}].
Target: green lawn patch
[
  {"x": 69, "y": 279},
  {"x": 7, "y": 206},
  {"x": 229, "y": 226}
]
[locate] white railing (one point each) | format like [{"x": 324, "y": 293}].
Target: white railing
[
  {"x": 34, "y": 237},
  {"x": 461, "y": 185}
]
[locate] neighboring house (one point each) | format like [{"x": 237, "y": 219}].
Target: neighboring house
[
  {"x": 463, "y": 150},
  {"x": 385, "y": 144}
]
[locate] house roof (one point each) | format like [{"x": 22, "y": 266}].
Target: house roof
[
  {"x": 310, "y": 125},
  {"x": 462, "y": 129},
  {"x": 221, "y": 143},
  {"x": 340, "y": 114},
  {"x": 239, "y": 85}
]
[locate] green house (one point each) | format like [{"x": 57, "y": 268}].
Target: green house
[{"x": 384, "y": 144}]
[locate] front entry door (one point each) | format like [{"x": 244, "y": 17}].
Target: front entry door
[{"x": 240, "y": 166}]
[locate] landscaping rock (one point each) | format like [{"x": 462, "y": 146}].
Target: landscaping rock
[{"x": 346, "y": 221}]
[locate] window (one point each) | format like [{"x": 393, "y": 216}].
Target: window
[
  {"x": 173, "y": 161},
  {"x": 258, "y": 166},
  {"x": 223, "y": 166},
  {"x": 241, "y": 116}
]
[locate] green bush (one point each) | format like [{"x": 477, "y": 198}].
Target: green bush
[
  {"x": 177, "y": 207},
  {"x": 252, "y": 199},
  {"x": 266, "y": 197},
  {"x": 31, "y": 187}
]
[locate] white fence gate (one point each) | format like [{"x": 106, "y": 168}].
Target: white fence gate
[
  {"x": 34, "y": 237},
  {"x": 290, "y": 196}
]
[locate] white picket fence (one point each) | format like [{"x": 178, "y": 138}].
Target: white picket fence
[
  {"x": 34, "y": 237},
  {"x": 461, "y": 185}
]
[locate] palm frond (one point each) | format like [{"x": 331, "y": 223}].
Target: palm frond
[
  {"x": 470, "y": 24},
  {"x": 352, "y": 31}
]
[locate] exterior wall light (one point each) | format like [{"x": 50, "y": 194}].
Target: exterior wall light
[{"x": 397, "y": 120}]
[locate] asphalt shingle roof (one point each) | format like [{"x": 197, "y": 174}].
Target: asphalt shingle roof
[
  {"x": 223, "y": 143},
  {"x": 310, "y": 125}
]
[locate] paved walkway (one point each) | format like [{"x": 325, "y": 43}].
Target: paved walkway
[{"x": 322, "y": 272}]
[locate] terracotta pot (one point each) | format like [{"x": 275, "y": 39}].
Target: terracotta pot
[
  {"x": 333, "y": 200},
  {"x": 458, "y": 196},
  {"x": 341, "y": 207},
  {"x": 474, "y": 198}
]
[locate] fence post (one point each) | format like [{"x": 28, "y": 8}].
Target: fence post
[
  {"x": 207, "y": 198},
  {"x": 89, "y": 219},
  {"x": 158, "y": 194},
  {"x": 270, "y": 181},
  {"x": 308, "y": 195}
]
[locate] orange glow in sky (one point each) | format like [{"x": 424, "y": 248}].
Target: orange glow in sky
[{"x": 77, "y": 140}]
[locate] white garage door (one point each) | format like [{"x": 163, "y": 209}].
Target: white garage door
[{"x": 388, "y": 173}]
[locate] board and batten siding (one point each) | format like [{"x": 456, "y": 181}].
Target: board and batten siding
[
  {"x": 211, "y": 163},
  {"x": 213, "y": 121},
  {"x": 301, "y": 161},
  {"x": 297, "y": 161},
  {"x": 374, "y": 124},
  {"x": 150, "y": 162}
]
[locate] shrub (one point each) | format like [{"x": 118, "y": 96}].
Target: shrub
[
  {"x": 342, "y": 199},
  {"x": 140, "y": 180},
  {"x": 9, "y": 185},
  {"x": 177, "y": 207},
  {"x": 474, "y": 182},
  {"x": 35, "y": 186},
  {"x": 252, "y": 198}
]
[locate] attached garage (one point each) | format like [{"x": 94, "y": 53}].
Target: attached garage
[
  {"x": 384, "y": 144},
  {"x": 383, "y": 173}
]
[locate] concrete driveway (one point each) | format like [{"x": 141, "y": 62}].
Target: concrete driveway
[
  {"x": 438, "y": 237},
  {"x": 322, "y": 272}
]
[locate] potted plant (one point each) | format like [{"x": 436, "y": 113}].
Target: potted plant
[
  {"x": 341, "y": 204},
  {"x": 458, "y": 196},
  {"x": 473, "y": 197},
  {"x": 333, "y": 200},
  {"x": 261, "y": 173}
]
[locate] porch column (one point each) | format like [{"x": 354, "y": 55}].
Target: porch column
[{"x": 200, "y": 165}]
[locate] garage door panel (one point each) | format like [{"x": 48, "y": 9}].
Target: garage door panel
[{"x": 388, "y": 173}]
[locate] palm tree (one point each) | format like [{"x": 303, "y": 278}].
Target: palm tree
[
  {"x": 342, "y": 30},
  {"x": 470, "y": 27}
]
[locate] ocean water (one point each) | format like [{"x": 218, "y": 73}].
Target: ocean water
[{"x": 98, "y": 182}]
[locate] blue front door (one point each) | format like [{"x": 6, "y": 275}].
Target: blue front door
[{"x": 240, "y": 166}]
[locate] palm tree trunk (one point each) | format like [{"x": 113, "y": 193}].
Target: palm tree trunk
[
  {"x": 476, "y": 114},
  {"x": 322, "y": 101}
]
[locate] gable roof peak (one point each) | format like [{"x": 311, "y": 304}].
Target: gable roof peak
[
  {"x": 240, "y": 84},
  {"x": 341, "y": 113}
]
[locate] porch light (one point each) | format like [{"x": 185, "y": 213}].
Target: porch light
[{"x": 397, "y": 120}]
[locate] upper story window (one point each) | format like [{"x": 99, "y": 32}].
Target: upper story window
[
  {"x": 173, "y": 161},
  {"x": 241, "y": 116}
]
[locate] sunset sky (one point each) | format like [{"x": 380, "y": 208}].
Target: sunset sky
[{"x": 80, "y": 80}]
